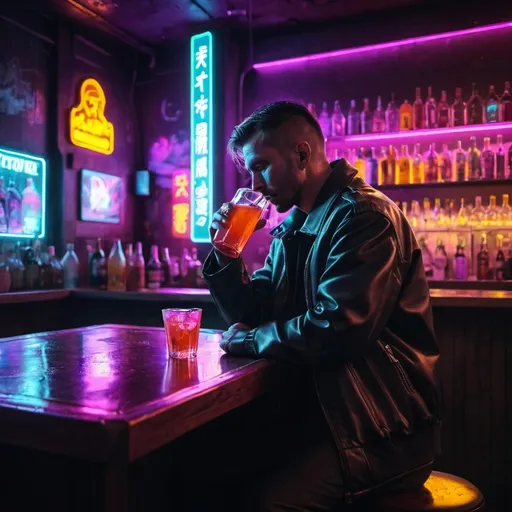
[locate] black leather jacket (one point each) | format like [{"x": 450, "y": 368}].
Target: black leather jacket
[{"x": 367, "y": 333}]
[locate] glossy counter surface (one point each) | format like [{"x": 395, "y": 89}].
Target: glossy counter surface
[{"x": 82, "y": 392}]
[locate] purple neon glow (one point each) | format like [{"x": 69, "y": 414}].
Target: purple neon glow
[
  {"x": 416, "y": 134},
  {"x": 381, "y": 46}
]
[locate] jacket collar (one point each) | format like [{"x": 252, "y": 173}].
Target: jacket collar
[{"x": 340, "y": 177}]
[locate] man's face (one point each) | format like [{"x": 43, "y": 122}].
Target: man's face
[{"x": 275, "y": 172}]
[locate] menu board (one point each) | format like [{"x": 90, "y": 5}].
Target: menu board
[
  {"x": 22, "y": 195},
  {"x": 101, "y": 197}
]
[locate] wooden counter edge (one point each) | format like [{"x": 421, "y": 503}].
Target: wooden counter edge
[{"x": 33, "y": 296}]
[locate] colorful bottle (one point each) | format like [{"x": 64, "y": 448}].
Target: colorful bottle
[
  {"x": 406, "y": 116},
  {"x": 185, "y": 265},
  {"x": 474, "y": 161},
  {"x": 500, "y": 158},
  {"x": 31, "y": 269},
  {"x": 197, "y": 269},
  {"x": 492, "y": 106},
  {"x": 70, "y": 266},
  {"x": 372, "y": 168},
  {"x": 461, "y": 262},
  {"x": 403, "y": 169},
  {"x": 166, "y": 268},
  {"x": 461, "y": 163},
  {"x": 431, "y": 160},
  {"x": 459, "y": 113},
  {"x": 131, "y": 282},
  {"x": 445, "y": 165},
  {"x": 500, "y": 258},
  {"x": 477, "y": 215},
  {"x": 491, "y": 213},
  {"x": 98, "y": 268},
  {"x": 415, "y": 216},
  {"x": 57, "y": 272},
  {"x": 428, "y": 217},
  {"x": 482, "y": 260},
  {"x": 417, "y": 167},
  {"x": 353, "y": 119},
  {"x": 439, "y": 217},
  {"x": 506, "y": 104},
  {"x": 418, "y": 111},
  {"x": 462, "y": 215},
  {"x": 488, "y": 160},
  {"x": 391, "y": 166},
  {"x": 379, "y": 118},
  {"x": 383, "y": 167},
  {"x": 153, "y": 270},
  {"x": 3, "y": 207},
  {"x": 31, "y": 209},
  {"x": 14, "y": 216},
  {"x": 360, "y": 163},
  {"x": 366, "y": 117},
  {"x": 116, "y": 268},
  {"x": 443, "y": 116},
  {"x": 338, "y": 121},
  {"x": 505, "y": 212},
  {"x": 139, "y": 268},
  {"x": 440, "y": 262},
  {"x": 324, "y": 120},
  {"x": 392, "y": 115},
  {"x": 475, "y": 108},
  {"x": 430, "y": 110},
  {"x": 426, "y": 256}
]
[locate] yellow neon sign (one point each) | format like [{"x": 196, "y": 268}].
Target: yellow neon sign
[{"x": 88, "y": 126}]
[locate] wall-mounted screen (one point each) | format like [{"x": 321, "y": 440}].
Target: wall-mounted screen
[
  {"x": 22, "y": 195},
  {"x": 101, "y": 197}
]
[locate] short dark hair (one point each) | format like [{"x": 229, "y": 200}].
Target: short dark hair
[{"x": 265, "y": 119}]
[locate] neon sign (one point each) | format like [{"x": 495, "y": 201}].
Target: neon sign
[
  {"x": 88, "y": 126},
  {"x": 201, "y": 129},
  {"x": 181, "y": 205},
  {"x": 22, "y": 195}
]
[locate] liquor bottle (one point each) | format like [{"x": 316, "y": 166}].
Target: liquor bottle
[
  {"x": 338, "y": 121},
  {"x": 459, "y": 113},
  {"x": 383, "y": 167},
  {"x": 462, "y": 215},
  {"x": 440, "y": 262},
  {"x": 31, "y": 209},
  {"x": 197, "y": 269},
  {"x": 359, "y": 163},
  {"x": 475, "y": 108},
  {"x": 417, "y": 167},
  {"x": 477, "y": 215},
  {"x": 175, "y": 271},
  {"x": 505, "y": 212},
  {"x": 430, "y": 110},
  {"x": 185, "y": 260},
  {"x": 406, "y": 115},
  {"x": 431, "y": 160},
  {"x": 14, "y": 219},
  {"x": 391, "y": 166},
  {"x": 166, "y": 268},
  {"x": 418, "y": 110},
  {"x": 139, "y": 268},
  {"x": 426, "y": 256},
  {"x": 379, "y": 118},
  {"x": 56, "y": 269},
  {"x": 461, "y": 262},
  {"x": 449, "y": 212},
  {"x": 461, "y": 163},
  {"x": 438, "y": 213},
  {"x": 488, "y": 159},
  {"x": 353, "y": 118},
  {"x": 405, "y": 208},
  {"x": 403, "y": 169},
  {"x": 491, "y": 213},
  {"x": 312, "y": 109},
  {"x": 98, "y": 268},
  {"x": 445, "y": 165},
  {"x": 116, "y": 268},
  {"x": 506, "y": 104},
  {"x": 443, "y": 112},
  {"x": 500, "y": 258},
  {"x": 5, "y": 275},
  {"x": 428, "y": 218},
  {"x": 508, "y": 263},
  {"x": 474, "y": 162},
  {"x": 153, "y": 270},
  {"x": 31, "y": 269},
  {"x": 3, "y": 207},
  {"x": 45, "y": 269},
  {"x": 70, "y": 266},
  {"x": 392, "y": 115},
  {"x": 366, "y": 117},
  {"x": 324, "y": 120},
  {"x": 500, "y": 158},
  {"x": 131, "y": 283},
  {"x": 482, "y": 260},
  {"x": 492, "y": 106},
  {"x": 372, "y": 168},
  {"x": 415, "y": 217}
]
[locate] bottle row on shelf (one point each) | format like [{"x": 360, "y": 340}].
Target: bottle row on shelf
[
  {"x": 31, "y": 267},
  {"x": 492, "y": 162},
  {"x": 416, "y": 116}
]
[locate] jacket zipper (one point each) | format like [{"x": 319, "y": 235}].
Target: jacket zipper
[{"x": 401, "y": 372}]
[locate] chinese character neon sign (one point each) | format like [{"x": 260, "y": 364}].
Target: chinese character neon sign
[
  {"x": 23, "y": 190},
  {"x": 180, "y": 205},
  {"x": 201, "y": 129},
  {"x": 88, "y": 126}
]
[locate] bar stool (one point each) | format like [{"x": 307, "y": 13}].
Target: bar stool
[{"x": 442, "y": 492}]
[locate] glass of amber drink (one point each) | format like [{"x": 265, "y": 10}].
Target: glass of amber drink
[
  {"x": 182, "y": 331},
  {"x": 247, "y": 208}
]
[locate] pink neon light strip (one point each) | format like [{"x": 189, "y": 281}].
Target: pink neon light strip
[
  {"x": 415, "y": 134},
  {"x": 381, "y": 46}
]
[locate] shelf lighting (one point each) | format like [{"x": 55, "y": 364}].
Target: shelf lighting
[{"x": 381, "y": 46}]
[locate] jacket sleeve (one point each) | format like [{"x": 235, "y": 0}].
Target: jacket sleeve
[
  {"x": 239, "y": 297},
  {"x": 356, "y": 295}
]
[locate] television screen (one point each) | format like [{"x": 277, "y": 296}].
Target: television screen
[
  {"x": 101, "y": 197},
  {"x": 142, "y": 183}
]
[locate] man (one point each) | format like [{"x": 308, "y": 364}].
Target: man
[{"x": 343, "y": 294}]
